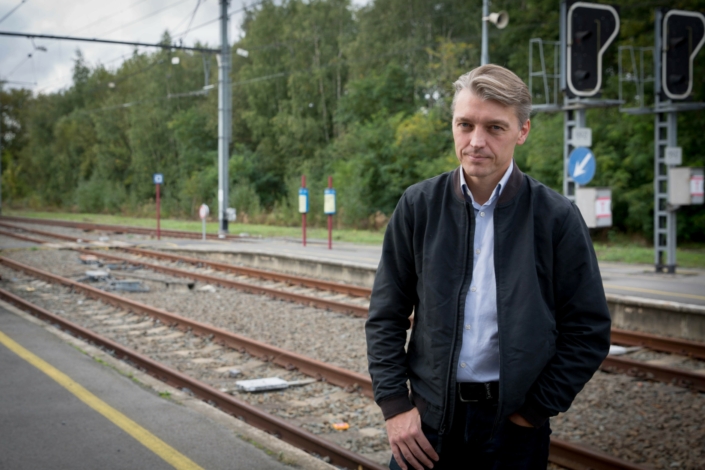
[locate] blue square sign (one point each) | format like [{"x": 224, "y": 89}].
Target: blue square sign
[{"x": 158, "y": 178}]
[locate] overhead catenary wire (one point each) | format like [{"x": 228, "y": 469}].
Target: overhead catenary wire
[
  {"x": 107, "y": 17},
  {"x": 29, "y": 56},
  {"x": 146, "y": 17},
  {"x": 107, "y": 41},
  {"x": 12, "y": 11}
]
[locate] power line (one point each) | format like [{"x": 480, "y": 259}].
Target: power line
[
  {"x": 112, "y": 15},
  {"x": 148, "y": 16},
  {"x": 14, "y": 82},
  {"x": 108, "y": 41},
  {"x": 239, "y": 10},
  {"x": 12, "y": 11},
  {"x": 20, "y": 64}
]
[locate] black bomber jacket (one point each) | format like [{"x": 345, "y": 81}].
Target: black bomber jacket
[{"x": 553, "y": 320}]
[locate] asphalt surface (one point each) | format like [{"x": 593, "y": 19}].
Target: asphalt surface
[{"x": 44, "y": 425}]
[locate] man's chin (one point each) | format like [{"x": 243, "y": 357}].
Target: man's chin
[{"x": 477, "y": 171}]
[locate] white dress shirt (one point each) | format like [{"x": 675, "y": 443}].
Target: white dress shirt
[{"x": 479, "y": 353}]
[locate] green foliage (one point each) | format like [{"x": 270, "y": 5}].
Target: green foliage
[{"x": 328, "y": 89}]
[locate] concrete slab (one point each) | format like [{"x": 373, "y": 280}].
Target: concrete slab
[{"x": 43, "y": 425}]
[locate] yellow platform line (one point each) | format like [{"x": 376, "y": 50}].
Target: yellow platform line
[
  {"x": 144, "y": 437},
  {"x": 653, "y": 291}
]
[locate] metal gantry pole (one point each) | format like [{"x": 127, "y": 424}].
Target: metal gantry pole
[
  {"x": 485, "y": 59},
  {"x": 573, "y": 118},
  {"x": 224, "y": 117},
  {"x": 665, "y": 135}
]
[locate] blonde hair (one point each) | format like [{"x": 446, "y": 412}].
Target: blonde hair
[{"x": 493, "y": 82}]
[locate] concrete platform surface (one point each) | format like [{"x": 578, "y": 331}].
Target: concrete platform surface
[{"x": 44, "y": 425}]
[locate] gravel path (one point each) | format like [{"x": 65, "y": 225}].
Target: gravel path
[{"x": 644, "y": 422}]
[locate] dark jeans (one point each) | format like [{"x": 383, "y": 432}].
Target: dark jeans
[{"x": 468, "y": 445}]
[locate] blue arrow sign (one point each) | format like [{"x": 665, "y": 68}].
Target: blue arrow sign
[{"x": 581, "y": 166}]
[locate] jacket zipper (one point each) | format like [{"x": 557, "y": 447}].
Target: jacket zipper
[
  {"x": 499, "y": 327},
  {"x": 450, "y": 392}
]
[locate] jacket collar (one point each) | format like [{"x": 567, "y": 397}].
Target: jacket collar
[{"x": 508, "y": 192}]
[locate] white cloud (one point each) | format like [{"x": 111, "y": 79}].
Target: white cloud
[{"x": 117, "y": 20}]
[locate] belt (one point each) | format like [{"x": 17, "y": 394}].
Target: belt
[{"x": 469, "y": 392}]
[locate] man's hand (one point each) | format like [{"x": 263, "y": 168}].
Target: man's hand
[
  {"x": 519, "y": 420},
  {"x": 407, "y": 440}
]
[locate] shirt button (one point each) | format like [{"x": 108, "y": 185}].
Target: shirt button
[
  {"x": 473, "y": 288},
  {"x": 467, "y": 327},
  {"x": 477, "y": 251},
  {"x": 482, "y": 214},
  {"x": 462, "y": 364}
]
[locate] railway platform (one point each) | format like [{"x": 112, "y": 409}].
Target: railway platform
[{"x": 66, "y": 404}]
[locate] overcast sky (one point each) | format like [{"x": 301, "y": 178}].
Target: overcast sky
[{"x": 127, "y": 20}]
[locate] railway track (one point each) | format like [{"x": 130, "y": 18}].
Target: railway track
[
  {"x": 677, "y": 376},
  {"x": 121, "y": 228},
  {"x": 563, "y": 453},
  {"x": 354, "y": 306}
]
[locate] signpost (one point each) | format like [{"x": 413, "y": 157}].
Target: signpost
[
  {"x": 203, "y": 212},
  {"x": 158, "y": 180},
  {"x": 303, "y": 205},
  {"x": 581, "y": 165},
  {"x": 329, "y": 209}
]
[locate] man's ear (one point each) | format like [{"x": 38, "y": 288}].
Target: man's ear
[{"x": 524, "y": 132}]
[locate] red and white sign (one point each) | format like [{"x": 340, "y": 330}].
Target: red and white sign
[
  {"x": 603, "y": 207},
  {"x": 696, "y": 186},
  {"x": 203, "y": 211}
]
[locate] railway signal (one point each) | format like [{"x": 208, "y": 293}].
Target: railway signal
[
  {"x": 329, "y": 209},
  {"x": 303, "y": 207},
  {"x": 592, "y": 27},
  {"x": 683, "y": 34},
  {"x": 158, "y": 180}
]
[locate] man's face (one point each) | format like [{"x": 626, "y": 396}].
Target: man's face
[{"x": 485, "y": 134}]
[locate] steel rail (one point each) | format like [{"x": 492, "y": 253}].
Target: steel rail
[
  {"x": 679, "y": 377},
  {"x": 36, "y": 232},
  {"x": 21, "y": 237},
  {"x": 659, "y": 343},
  {"x": 347, "y": 289},
  {"x": 356, "y": 310},
  {"x": 356, "y": 291},
  {"x": 573, "y": 456},
  {"x": 285, "y": 431},
  {"x": 578, "y": 457},
  {"x": 290, "y": 360},
  {"x": 117, "y": 228}
]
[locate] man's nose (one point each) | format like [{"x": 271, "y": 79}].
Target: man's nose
[{"x": 478, "y": 138}]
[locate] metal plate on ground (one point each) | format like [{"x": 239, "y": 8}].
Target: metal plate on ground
[{"x": 262, "y": 385}]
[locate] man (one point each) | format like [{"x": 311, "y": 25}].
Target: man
[{"x": 510, "y": 317}]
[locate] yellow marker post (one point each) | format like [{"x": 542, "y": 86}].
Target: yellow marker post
[{"x": 144, "y": 437}]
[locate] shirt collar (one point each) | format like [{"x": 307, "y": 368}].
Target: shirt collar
[{"x": 497, "y": 190}]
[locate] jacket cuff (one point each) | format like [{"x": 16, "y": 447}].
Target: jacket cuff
[
  {"x": 534, "y": 413},
  {"x": 392, "y": 406}
]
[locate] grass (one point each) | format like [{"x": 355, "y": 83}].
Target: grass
[
  {"x": 344, "y": 235},
  {"x": 691, "y": 256},
  {"x": 622, "y": 250}
]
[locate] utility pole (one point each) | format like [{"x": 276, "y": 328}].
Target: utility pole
[
  {"x": 1, "y": 134},
  {"x": 224, "y": 117},
  {"x": 485, "y": 59},
  {"x": 499, "y": 19}
]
